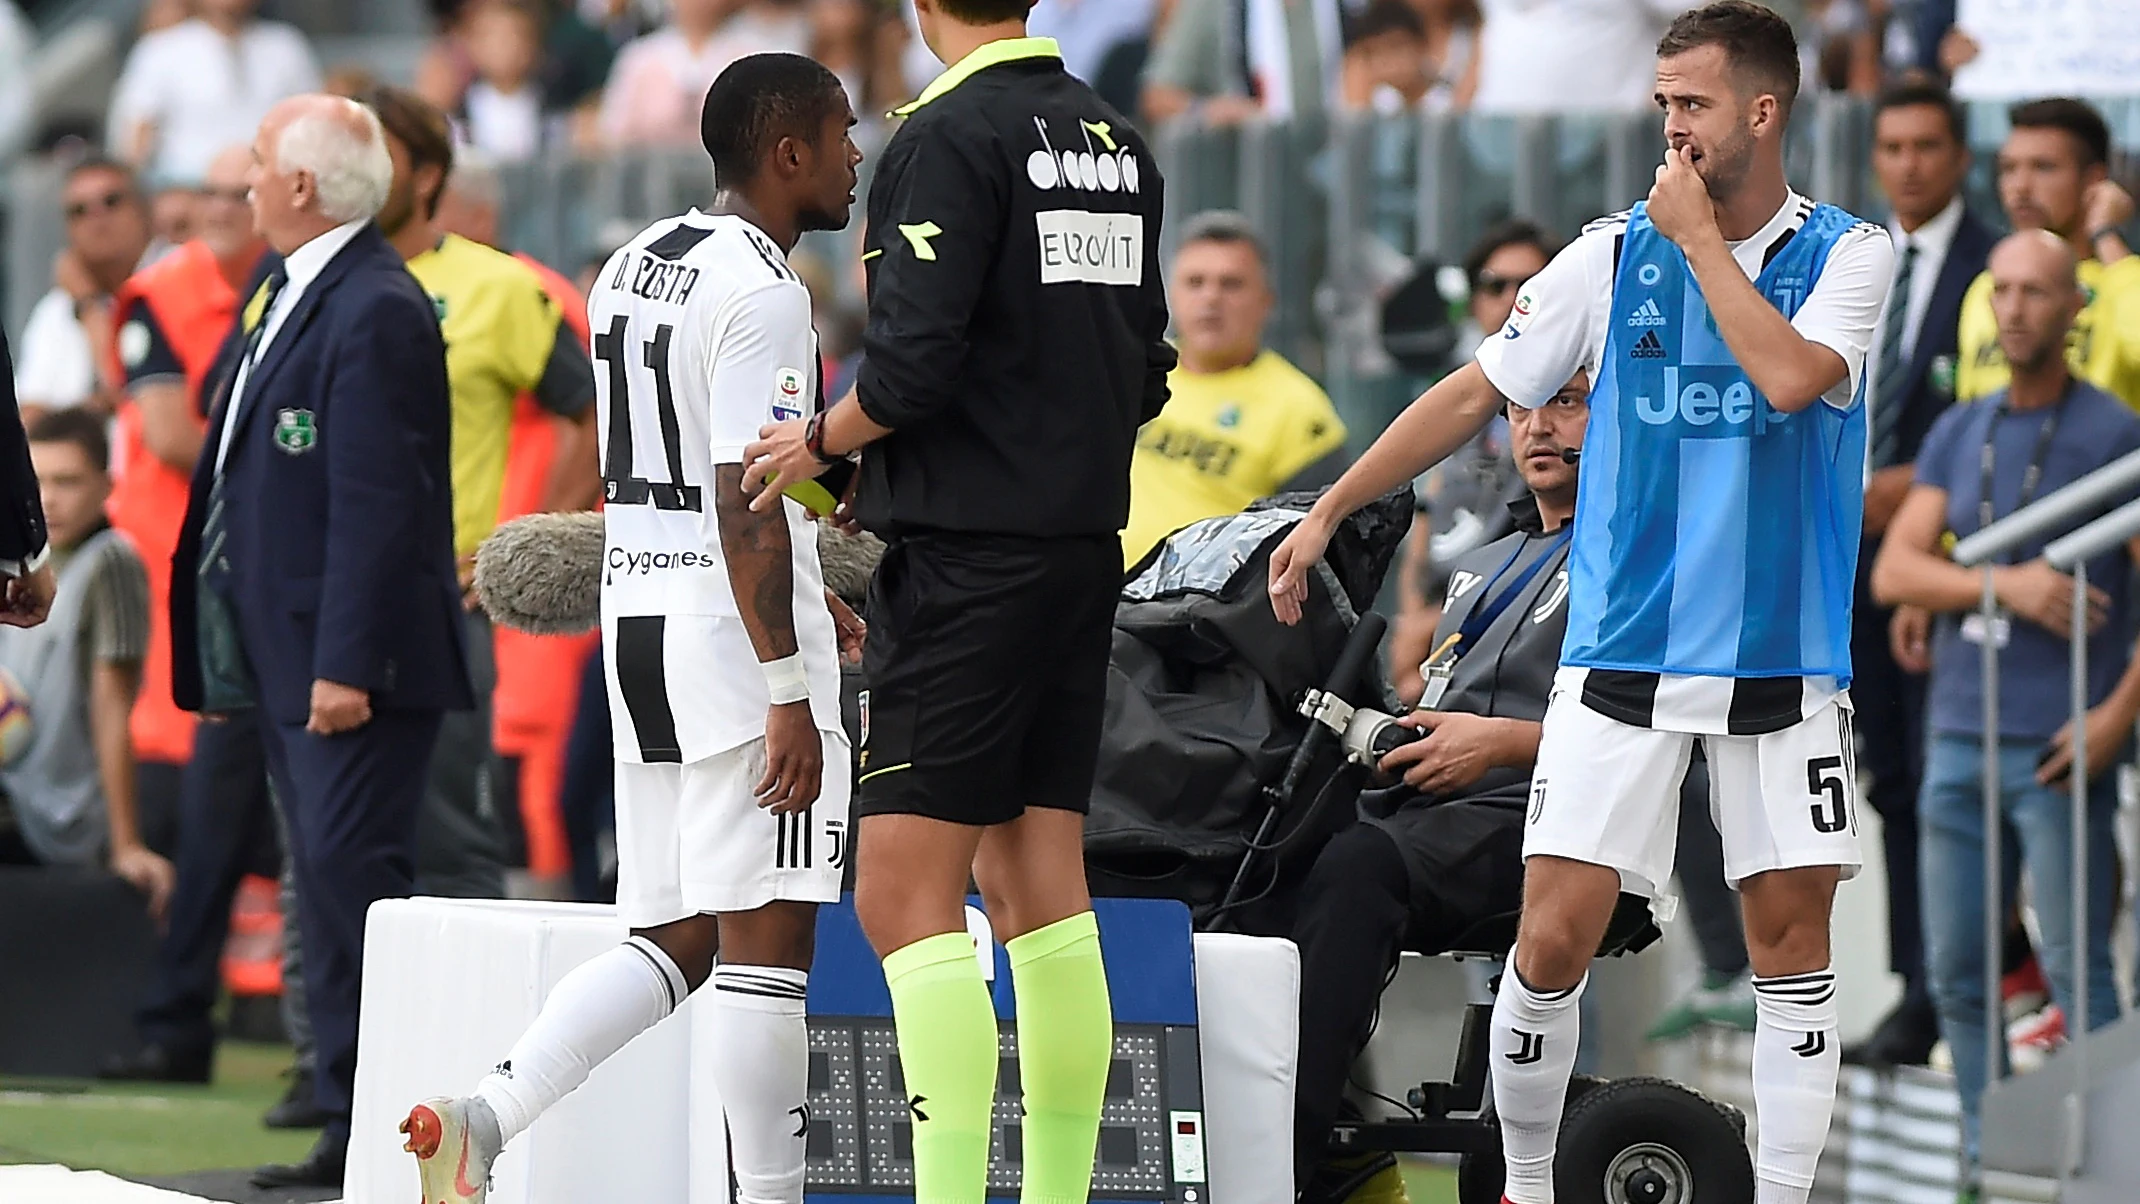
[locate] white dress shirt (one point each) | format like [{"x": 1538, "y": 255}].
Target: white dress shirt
[
  {"x": 205, "y": 92},
  {"x": 1932, "y": 241},
  {"x": 302, "y": 267}
]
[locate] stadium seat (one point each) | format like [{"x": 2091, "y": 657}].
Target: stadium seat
[{"x": 76, "y": 953}]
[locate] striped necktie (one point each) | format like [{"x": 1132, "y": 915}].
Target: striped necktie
[{"x": 1887, "y": 405}]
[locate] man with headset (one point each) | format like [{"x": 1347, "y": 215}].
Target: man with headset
[{"x": 1443, "y": 850}]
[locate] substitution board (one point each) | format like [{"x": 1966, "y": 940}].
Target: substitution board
[{"x": 1151, "y": 1150}]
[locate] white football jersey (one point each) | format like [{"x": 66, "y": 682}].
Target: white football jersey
[{"x": 702, "y": 335}]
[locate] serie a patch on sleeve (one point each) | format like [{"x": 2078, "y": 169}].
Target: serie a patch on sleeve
[{"x": 1078, "y": 246}]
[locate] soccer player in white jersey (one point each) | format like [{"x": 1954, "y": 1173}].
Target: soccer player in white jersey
[
  {"x": 1725, "y": 322},
  {"x": 723, "y": 653}
]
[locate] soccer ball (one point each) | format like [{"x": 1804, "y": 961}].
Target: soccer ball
[{"x": 14, "y": 719}]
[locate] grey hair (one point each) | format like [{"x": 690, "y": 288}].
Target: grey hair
[
  {"x": 475, "y": 178},
  {"x": 347, "y": 156},
  {"x": 1225, "y": 226}
]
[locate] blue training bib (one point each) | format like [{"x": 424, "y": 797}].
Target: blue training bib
[{"x": 1715, "y": 535}]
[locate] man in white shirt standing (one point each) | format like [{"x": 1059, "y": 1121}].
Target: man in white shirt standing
[
  {"x": 1560, "y": 56},
  {"x": 203, "y": 84},
  {"x": 1921, "y": 156},
  {"x": 1726, "y": 322}
]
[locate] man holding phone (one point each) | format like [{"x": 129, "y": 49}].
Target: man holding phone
[{"x": 1979, "y": 463}]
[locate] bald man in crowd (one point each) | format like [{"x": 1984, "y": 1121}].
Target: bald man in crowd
[
  {"x": 321, "y": 595},
  {"x": 1979, "y": 463}
]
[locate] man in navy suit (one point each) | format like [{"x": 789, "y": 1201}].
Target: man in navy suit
[
  {"x": 1921, "y": 154},
  {"x": 314, "y": 579}
]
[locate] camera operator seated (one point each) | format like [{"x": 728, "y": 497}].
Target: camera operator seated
[{"x": 1443, "y": 850}]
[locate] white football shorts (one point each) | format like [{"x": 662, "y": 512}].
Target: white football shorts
[
  {"x": 692, "y": 839},
  {"x": 1607, "y": 793}
]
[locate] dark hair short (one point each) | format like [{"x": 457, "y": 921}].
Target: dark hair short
[
  {"x": 1514, "y": 232},
  {"x": 1227, "y": 228},
  {"x": 79, "y": 427},
  {"x": 985, "y": 12},
  {"x": 758, "y": 100},
  {"x": 1756, "y": 42},
  {"x": 1384, "y": 17},
  {"x": 1912, "y": 95},
  {"x": 2076, "y": 117},
  {"x": 420, "y": 126}
]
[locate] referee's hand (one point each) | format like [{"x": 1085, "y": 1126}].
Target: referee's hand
[
  {"x": 778, "y": 459},
  {"x": 794, "y": 759}
]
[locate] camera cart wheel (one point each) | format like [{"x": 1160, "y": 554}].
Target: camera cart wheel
[
  {"x": 1650, "y": 1141},
  {"x": 1479, "y": 1176}
]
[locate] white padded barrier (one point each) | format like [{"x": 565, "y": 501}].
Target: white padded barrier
[
  {"x": 1248, "y": 1030},
  {"x": 449, "y": 984}
]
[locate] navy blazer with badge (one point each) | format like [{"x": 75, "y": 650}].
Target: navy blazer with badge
[
  {"x": 1929, "y": 393},
  {"x": 340, "y": 514}
]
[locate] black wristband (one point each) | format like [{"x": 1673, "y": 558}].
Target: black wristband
[{"x": 814, "y": 440}]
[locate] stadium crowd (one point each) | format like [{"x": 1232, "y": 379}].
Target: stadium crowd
[{"x": 162, "y": 261}]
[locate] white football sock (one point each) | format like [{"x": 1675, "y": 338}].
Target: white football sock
[
  {"x": 1796, "y": 1061},
  {"x": 1533, "y": 1042},
  {"x": 762, "y": 1072},
  {"x": 591, "y": 1013}
]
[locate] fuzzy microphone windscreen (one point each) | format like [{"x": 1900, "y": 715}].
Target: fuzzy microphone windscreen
[
  {"x": 848, "y": 560},
  {"x": 542, "y": 573}
]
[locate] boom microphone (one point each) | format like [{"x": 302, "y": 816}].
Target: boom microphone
[
  {"x": 542, "y": 573},
  {"x": 1570, "y": 455}
]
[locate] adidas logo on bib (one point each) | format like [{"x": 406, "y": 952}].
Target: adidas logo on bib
[
  {"x": 1646, "y": 315},
  {"x": 1648, "y": 347}
]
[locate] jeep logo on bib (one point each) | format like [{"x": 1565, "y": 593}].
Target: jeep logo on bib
[
  {"x": 1728, "y": 404},
  {"x": 295, "y": 431}
]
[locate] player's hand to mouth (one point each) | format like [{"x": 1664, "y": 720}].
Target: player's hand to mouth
[
  {"x": 781, "y": 455},
  {"x": 1679, "y": 202},
  {"x": 794, "y": 759}
]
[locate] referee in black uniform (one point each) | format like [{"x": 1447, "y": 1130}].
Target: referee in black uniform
[{"x": 1015, "y": 343}]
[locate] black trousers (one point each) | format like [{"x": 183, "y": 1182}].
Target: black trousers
[
  {"x": 225, "y": 831},
  {"x": 351, "y": 801},
  {"x": 1416, "y": 879},
  {"x": 1891, "y": 716}
]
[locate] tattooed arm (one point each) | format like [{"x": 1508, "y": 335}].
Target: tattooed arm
[
  {"x": 761, "y": 571},
  {"x": 761, "y": 566}
]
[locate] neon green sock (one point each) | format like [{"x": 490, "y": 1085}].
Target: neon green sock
[
  {"x": 1066, "y": 1041},
  {"x": 947, "y": 1044}
]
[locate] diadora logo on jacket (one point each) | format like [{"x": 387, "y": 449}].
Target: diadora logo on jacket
[{"x": 1101, "y": 166}]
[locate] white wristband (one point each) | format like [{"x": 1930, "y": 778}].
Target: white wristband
[{"x": 785, "y": 679}]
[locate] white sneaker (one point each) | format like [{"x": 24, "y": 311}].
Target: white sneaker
[{"x": 455, "y": 1141}]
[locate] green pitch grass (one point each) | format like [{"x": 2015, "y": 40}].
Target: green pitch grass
[
  {"x": 153, "y": 1128},
  {"x": 158, "y": 1129}
]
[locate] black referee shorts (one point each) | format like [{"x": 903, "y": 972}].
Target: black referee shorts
[{"x": 987, "y": 667}]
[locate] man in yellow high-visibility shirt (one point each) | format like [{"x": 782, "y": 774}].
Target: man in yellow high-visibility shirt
[
  {"x": 504, "y": 337},
  {"x": 2054, "y": 175},
  {"x": 1242, "y": 423}
]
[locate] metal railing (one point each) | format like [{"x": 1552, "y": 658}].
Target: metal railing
[{"x": 2069, "y": 553}]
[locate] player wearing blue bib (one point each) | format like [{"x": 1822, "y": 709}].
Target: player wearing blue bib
[{"x": 1726, "y": 321}]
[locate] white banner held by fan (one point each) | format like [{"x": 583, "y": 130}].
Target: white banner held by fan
[{"x": 2032, "y": 48}]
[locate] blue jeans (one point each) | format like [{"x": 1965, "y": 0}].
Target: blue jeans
[{"x": 1951, "y": 817}]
